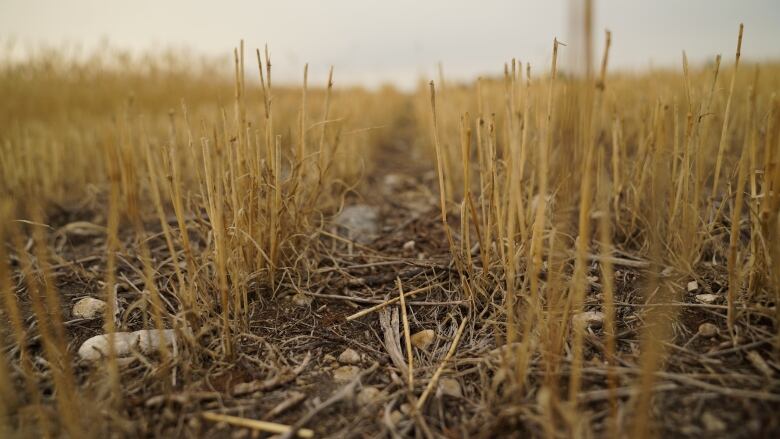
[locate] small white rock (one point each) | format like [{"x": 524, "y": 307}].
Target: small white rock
[
  {"x": 396, "y": 417},
  {"x": 368, "y": 395},
  {"x": 345, "y": 373},
  {"x": 397, "y": 182},
  {"x": 708, "y": 330},
  {"x": 423, "y": 339},
  {"x": 409, "y": 246},
  {"x": 146, "y": 341},
  {"x": 301, "y": 300},
  {"x": 594, "y": 319},
  {"x": 449, "y": 387},
  {"x": 96, "y": 347},
  {"x": 360, "y": 222},
  {"x": 349, "y": 356},
  {"x": 88, "y": 308},
  {"x": 693, "y": 286},
  {"x": 712, "y": 423},
  {"x": 707, "y": 298}
]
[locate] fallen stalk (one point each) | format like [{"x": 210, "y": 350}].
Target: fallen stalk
[
  {"x": 387, "y": 303},
  {"x": 254, "y": 424}
]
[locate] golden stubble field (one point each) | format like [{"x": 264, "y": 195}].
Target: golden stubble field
[{"x": 190, "y": 251}]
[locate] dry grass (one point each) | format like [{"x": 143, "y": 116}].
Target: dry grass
[
  {"x": 665, "y": 141},
  {"x": 196, "y": 202}
]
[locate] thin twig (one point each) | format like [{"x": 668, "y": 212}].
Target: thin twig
[
  {"x": 254, "y": 424},
  {"x": 407, "y": 336},
  {"x": 387, "y": 303}
]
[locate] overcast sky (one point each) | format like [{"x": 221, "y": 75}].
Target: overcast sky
[{"x": 376, "y": 41}]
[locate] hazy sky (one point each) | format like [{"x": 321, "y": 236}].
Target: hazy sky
[{"x": 376, "y": 41}]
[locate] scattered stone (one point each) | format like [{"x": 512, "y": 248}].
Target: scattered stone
[
  {"x": 708, "y": 330},
  {"x": 368, "y": 395},
  {"x": 708, "y": 299},
  {"x": 409, "y": 246},
  {"x": 360, "y": 222},
  {"x": 345, "y": 374},
  {"x": 393, "y": 181},
  {"x": 449, "y": 387},
  {"x": 146, "y": 341},
  {"x": 396, "y": 417},
  {"x": 349, "y": 356},
  {"x": 693, "y": 286},
  {"x": 712, "y": 423},
  {"x": 301, "y": 299},
  {"x": 88, "y": 308},
  {"x": 406, "y": 408},
  {"x": 423, "y": 339},
  {"x": 397, "y": 182},
  {"x": 759, "y": 363},
  {"x": 328, "y": 358},
  {"x": 594, "y": 319}
]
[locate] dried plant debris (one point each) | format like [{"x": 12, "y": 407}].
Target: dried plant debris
[{"x": 580, "y": 255}]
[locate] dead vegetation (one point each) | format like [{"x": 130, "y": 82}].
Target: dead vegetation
[{"x": 546, "y": 254}]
